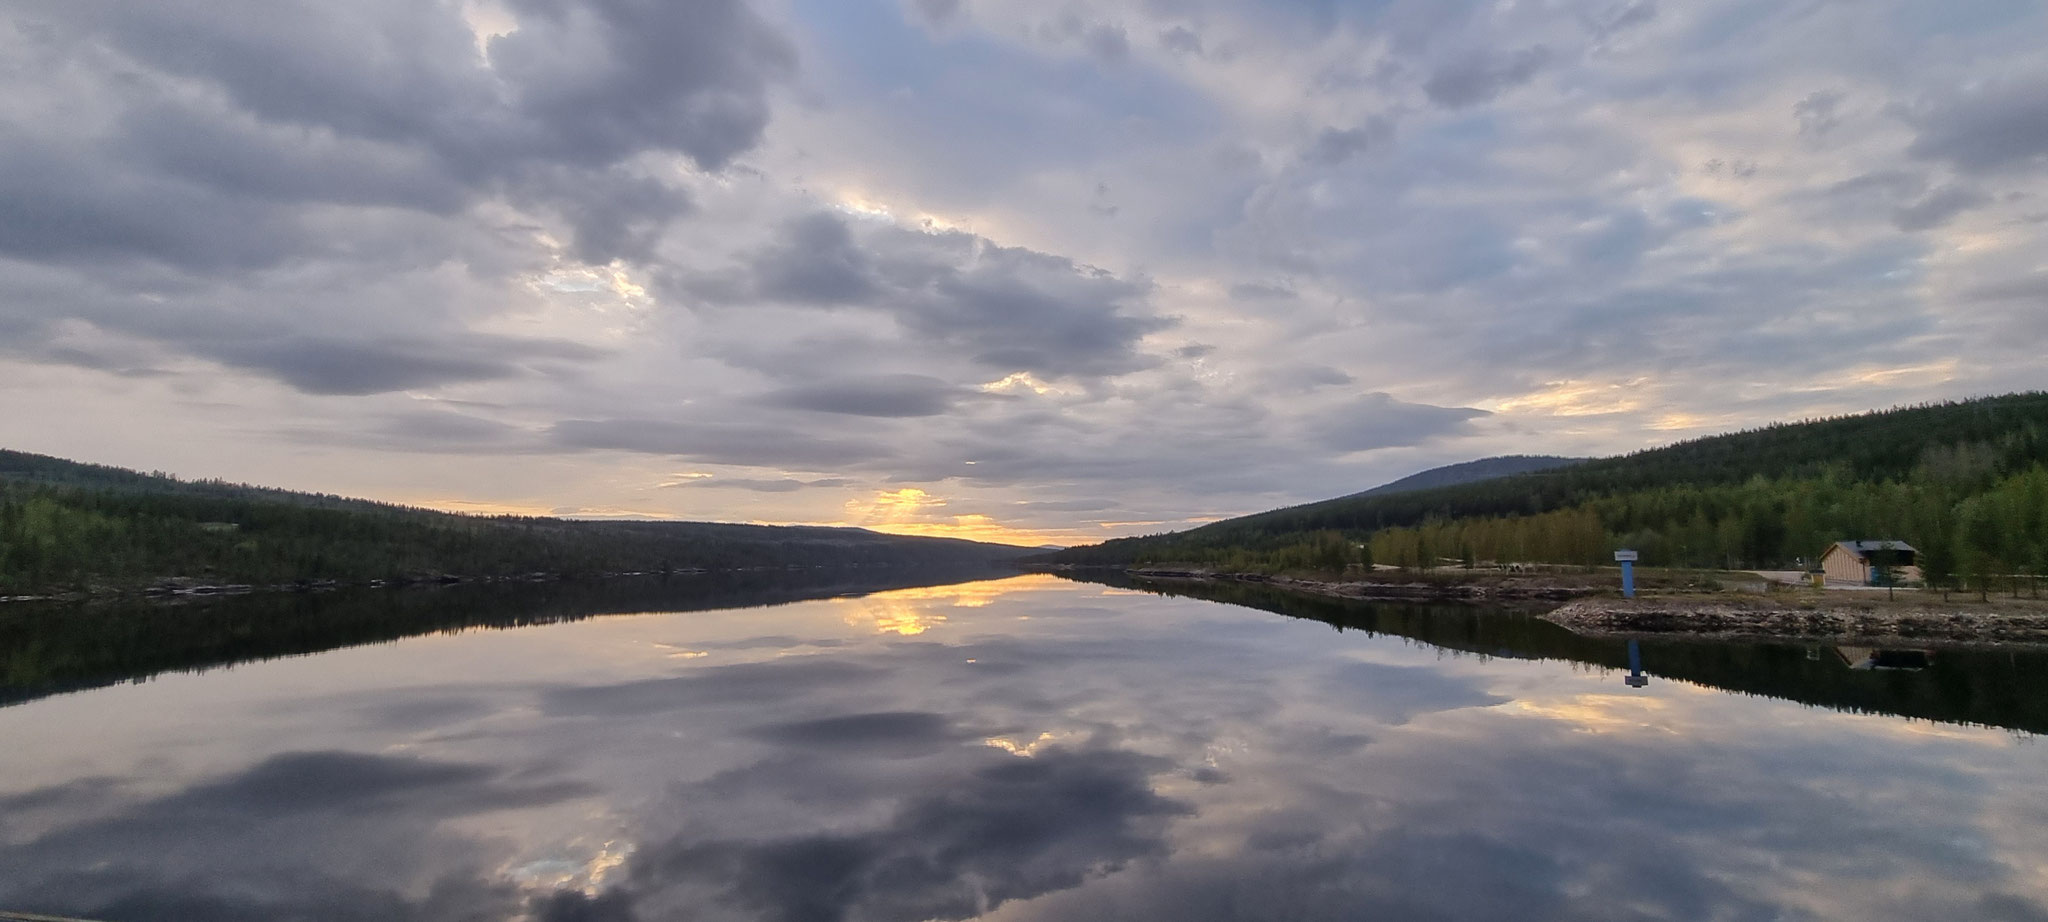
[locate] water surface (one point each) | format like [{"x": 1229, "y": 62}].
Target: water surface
[{"x": 1030, "y": 748}]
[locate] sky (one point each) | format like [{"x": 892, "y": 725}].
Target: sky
[{"x": 1030, "y": 271}]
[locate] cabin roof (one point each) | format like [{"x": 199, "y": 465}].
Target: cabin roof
[{"x": 1864, "y": 548}]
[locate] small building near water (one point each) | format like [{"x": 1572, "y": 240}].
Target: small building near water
[{"x": 1861, "y": 563}]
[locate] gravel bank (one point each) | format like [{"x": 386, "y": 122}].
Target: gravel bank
[{"x": 1843, "y": 621}]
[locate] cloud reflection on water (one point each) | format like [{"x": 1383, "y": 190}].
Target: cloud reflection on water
[{"x": 1134, "y": 757}]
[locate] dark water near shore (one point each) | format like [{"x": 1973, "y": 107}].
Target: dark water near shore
[{"x": 1026, "y": 748}]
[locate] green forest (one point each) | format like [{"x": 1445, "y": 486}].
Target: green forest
[
  {"x": 66, "y": 526},
  {"x": 1966, "y": 483}
]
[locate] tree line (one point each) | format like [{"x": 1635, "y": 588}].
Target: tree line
[
  {"x": 1965, "y": 483},
  {"x": 65, "y": 527}
]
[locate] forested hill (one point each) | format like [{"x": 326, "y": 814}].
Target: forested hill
[
  {"x": 67, "y": 526},
  {"x": 1451, "y": 475},
  {"x": 1964, "y": 481}
]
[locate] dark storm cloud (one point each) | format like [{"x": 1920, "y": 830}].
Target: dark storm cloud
[
  {"x": 1008, "y": 308},
  {"x": 1998, "y": 125},
  {"x": 1479, "y": 78},
  {"x": 879, "y": 395},
  {"x": 1379, "y": 421},
  {"x": 717, "y": 443},
  {"x": 1011, "y": 828}
]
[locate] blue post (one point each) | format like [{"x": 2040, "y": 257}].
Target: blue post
[{"x": 1628, "y": 579}]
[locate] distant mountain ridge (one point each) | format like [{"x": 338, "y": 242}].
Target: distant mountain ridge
[
  {"x": 1451, "y": 475},
  {"x": 70, "y": 526}
]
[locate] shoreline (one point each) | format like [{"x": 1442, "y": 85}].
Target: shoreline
[
  {"x": 1470, "y": 590},
  {"x": 1833, "y": 618},
  {"x": 1847, "y": 621},
  {"x": 171, "y": 590}
]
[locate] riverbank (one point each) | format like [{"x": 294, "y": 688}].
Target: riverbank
[
  {"x": 1586, "y": 603},
  {"x": 1833, "y": 617},
  {"x": 1469, "y": 586}
]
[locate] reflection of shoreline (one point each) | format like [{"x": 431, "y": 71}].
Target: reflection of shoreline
[
  {"x": 49, "y": 649},
  {"x": 2005, "y": 688},
  {"x": 1842, "y": 620}
]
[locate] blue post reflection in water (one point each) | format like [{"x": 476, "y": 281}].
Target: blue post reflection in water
[{"x": 1635, "y": 666}]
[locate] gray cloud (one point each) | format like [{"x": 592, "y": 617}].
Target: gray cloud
[
  {"x": 387, "y": 105},
  {"x": 1379, "y": 421},
  {"x": 1261, "y": 291},
  {"x": 784, "y": 485},
  {"x": 877, "y": 395},
  {"x": 1181, "y": 40},
  {"x": 815, "y": 262},
  {"x": 370, "y": 198},
  {"x": 887, "y": 733},
  {"x": 935, "y": 12},
  {"x": 1108, "y": 42},
  {"x": 1621, "y": 18},
  {"x": 1334, "y": 146},
  {"x": 1479, "y": 78},
  {"x": 211, "y": 850},
  {"x": 357, "y": 368},
  {"x": 1937, "y": 207},
  {"x": 717, "y": 443},
  {"x": 1817, "y": 113},
  {"x": 1006, "y": 308},
  {"x": 758, "y": 684},
  {"x": 1996, "y": 125},
  {"x": 1008, "y": 829},
  {"x": 2024, "y": 288}
]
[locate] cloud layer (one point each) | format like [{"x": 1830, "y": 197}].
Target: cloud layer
[{"x": 1180, "y": 260}]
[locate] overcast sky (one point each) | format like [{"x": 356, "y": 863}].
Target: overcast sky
[{"x": 1023, "y": 270}]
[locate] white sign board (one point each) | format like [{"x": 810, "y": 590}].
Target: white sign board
[{"x": 1624, "y": 556}]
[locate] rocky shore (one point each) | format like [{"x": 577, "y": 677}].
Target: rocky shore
[
  {"x": 1492, "y": 589},
  {"x": 1834, "y": 620},
  {"x": 1589, "y": 606}
]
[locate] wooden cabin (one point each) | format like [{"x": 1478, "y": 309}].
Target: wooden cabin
[{"x": 1859, "y": 563}]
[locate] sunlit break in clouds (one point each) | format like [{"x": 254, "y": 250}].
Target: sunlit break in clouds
[{"x": 1034, "y": 272}]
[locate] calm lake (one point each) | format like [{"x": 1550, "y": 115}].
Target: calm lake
[{"x": 1019, "y": 748}]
